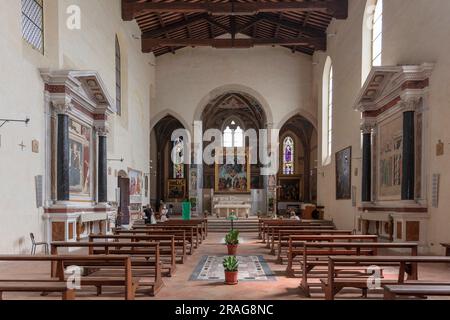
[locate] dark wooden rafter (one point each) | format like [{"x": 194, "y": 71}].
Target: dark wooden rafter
[
  {"x": 149, "y": 44},
  {"x": 297, "y": 25},
  {"x": 133, "y": 8}
]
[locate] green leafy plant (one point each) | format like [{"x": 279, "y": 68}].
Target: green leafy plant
[
  {"x": 232, "y": 238},
  {"x": 231, "y": 264}
]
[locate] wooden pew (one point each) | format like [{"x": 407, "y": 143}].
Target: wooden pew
[
  {"x": 406, "y": 264},
  {"x": 262, "y": 222},
  {"x": 315, "y": 254},
  {"x": 200, "y": 223},
  {"x": 58, "y": 283},
  {"x": 181, "y": 241},
  {"x": 447, "y": 249},
  {"x": 271, "y": 230},
  {"x": 296, "y": 244},
  {"x": 391, "y": 292},
  {"x": 167, "y": 249},
  {"x": 145, "y": 260},
  {"x": 306, "y": 224},
  {"x": 282, "y": 245},
  {"x": 287, "y": 231},
  {"x": 192, "y": 234}
]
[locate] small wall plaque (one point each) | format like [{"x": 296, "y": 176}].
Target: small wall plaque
[
  {"x": 435, "y": 190},
  {"x": 35, "y": 146},
  {"x": 440, "y": 148}
]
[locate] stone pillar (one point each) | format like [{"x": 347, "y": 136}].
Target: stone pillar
[
  {"x": 102, "y": 165},
  {"x": 366, "y": 186},
  {"x": 62, "y": 109},
  {"x": 408, "y": 156}
]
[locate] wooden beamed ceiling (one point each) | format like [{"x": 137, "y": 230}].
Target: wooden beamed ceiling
[{"x": 168, "y": 25}]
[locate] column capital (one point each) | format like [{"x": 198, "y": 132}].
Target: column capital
[
  {"x": 367, "y": 126},
  {"x": 62, "y": 106},
  {"x": 410, "y": 103},
  {"x": 102, "y": 130}
]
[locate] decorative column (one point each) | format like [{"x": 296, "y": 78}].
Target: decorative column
[
  {"x": 102, "y": 165},
  {"x": 408, "y": 157},
  {"x": 62, "y": 109},
  {"x": 366, "y": 186}
]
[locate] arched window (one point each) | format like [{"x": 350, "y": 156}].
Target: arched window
[
  {"x": 233, "y": 135},
  {"x": 178, "y": 166},
  {"x": 288, "y": 156},
  {"x": 327, "y": 112},
  {"x": 377, "y": 33},
  {"x": 118, "y": 79}
]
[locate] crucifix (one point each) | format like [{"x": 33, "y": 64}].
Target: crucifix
[{"x": 22, "y": 145}]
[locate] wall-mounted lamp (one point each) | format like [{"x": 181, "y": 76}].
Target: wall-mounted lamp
[
  {"x": 5, "y": 121},
  {"x": 117, "y": 160}
]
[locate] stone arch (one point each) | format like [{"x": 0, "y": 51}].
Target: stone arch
[
  {"x": 312, "y": 119},
  {"x": 161, "y": 115},
  {"x": 214, "y": 94}
]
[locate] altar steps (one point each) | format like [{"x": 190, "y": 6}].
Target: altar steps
[{"x": 224, "y": 226}]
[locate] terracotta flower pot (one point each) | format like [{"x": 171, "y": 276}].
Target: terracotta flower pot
[
  {"x": 232, "y": 249},
  {"x": 231, "y": 278}
]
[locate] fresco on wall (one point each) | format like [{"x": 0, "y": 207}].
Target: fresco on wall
[
  {"x": 344, "y": 174},
  {"x": 176, "y": 189},
  {"x": 233, "y": 176},
  {"x": 390, "y": 159},
  {"x": 289, "y": 190},
  {"x": 79, "y": 158},
  {"x": 136, "y": 186}
]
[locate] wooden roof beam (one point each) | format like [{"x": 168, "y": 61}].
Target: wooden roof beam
[
  {"x": 149, "y": 44},
  {"x": 133, "y": 8},
  {"x": 175, "y": 26}
]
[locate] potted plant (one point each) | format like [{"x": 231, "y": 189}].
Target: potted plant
[
  {"x": 232, "y": 241},
  {"x": 231, "y": 267}
]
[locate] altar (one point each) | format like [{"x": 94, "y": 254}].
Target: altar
[{"x": 224, "y": 205}]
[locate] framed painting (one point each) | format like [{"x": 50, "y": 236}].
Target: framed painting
[
  {"x": 79, "y": 158},
  {"x": 232, "y": 174},
  {"x": 176, "y": 189},
  {"x": 136, "y": 185},
  {"x": 344, "y": 174},
  {"x": 289, "y": 189}
]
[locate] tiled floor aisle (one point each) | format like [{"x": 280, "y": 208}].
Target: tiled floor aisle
[{"x": 180, "y": 288}]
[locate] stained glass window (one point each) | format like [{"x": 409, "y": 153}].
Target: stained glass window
[
  {"x": 233, "y": 136},
  {"x": 377, "y": 34},
  {"x": 118, "y": 79},
  {"x": 178, "y": 166},
  {"x": 33, "y": 23},
  {"x": 288, "y": 156}
]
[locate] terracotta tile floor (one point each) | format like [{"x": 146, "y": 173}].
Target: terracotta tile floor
[{"x": 180, "y": 288}]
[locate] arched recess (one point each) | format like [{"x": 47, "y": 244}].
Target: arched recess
[
  {"x": 162, "y": 165},
  {"x": 248, "y": 112},
  {"x": 165, "y": 113},
  {"x": 305, "y": 136},
  {"x": 236, "y": 88}
]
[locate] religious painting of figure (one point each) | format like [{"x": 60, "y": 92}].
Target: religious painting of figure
[
  {"x": 79, "y": 158},
  {"x": 344, "y": 174},
  {"x": 193, "y": 181},
  {"x": 289, "y": 190},
  {"x": 390, "y": 165},
  {"x": 233, "y": 173},
  {"x": 136, "y": 186},
  {"x": 176, "y": 189}
]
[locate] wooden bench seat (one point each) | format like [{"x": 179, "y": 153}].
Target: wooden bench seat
[
  {"x": 167, "y": 247},
  {"x": 348, "y": 250},
  {"x": 57, "y": 278},
  {"x": 192, "y": 233},
  {"x": 391, "y": 292},
  {"x": 181, "y": 241},
  {"x": 280, "y": 240},
  {"x": 358, "y": 283},
  {"x": 148, "y": 258},
  {"x": 406, "y": 265},
  {"x": 37, "y": 286}
]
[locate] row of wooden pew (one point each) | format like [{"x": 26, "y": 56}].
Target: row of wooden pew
[
  {"x": 333, "y": 259},
  {"x": 135, "y": 259}
]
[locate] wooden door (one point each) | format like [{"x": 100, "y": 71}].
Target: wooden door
[{"x": 124, "y": 209}]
